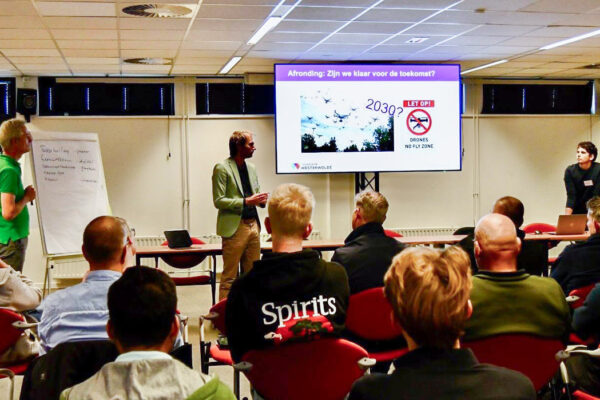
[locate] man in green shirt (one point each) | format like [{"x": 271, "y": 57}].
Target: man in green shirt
[{"x": 15, "y": 140}]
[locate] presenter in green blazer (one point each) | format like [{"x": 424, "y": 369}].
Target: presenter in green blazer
[{"x": 236, "y": 194}]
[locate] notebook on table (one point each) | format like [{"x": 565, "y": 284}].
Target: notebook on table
[
  {"x": 178, "y": 239},
  {"x": 571, "y": 224}
]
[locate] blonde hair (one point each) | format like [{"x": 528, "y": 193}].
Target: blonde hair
[
  {"x": 429, "y": 290},
  {"x": 290, "y": 208},
  {"x": 9, "y": 130},
  {"x": 593, "y": 206},
  {"x": 373, "y": 205}
]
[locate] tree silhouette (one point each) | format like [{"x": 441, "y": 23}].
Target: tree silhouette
[
  {"x": 350, "y": 148},
  {"x": 383, "y": 137},
  {"x": 308, "y": 144}
]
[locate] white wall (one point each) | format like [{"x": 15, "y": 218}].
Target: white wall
[{"x": 523, "y": 156}]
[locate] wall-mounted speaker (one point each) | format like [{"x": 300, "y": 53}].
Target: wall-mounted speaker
[{"x": 27, "y": 102}]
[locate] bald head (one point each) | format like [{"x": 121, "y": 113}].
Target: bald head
[
  {"x": 104, "y": 240},
  {"x": 496, "y": 243}
]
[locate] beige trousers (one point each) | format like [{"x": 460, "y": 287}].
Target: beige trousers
[{"x": 243, "y": 247}]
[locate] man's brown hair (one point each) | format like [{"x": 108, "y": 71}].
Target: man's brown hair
[
  {"x": 238, "y": 138},
  {"x": 590, "y": 148},
  {"x": 593, "y": 206},
  {"x": 373, "y": 206},
  {"x": 512, "y": 208},
  {"x": 429, "y": 290},
  {"x": 290, "y": 208},
  {"x": 9, "y": 130}
]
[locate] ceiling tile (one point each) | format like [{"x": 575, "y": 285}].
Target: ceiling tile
[
  {"x": 85, "y": 34},
  {"x": 92, "y": 61},
  {"x": 294, "y": 37},
  {"x": 375, "y": 27},
  {"x": 243, "y": 2},
  {"x": 148, "y": 53},
  {"x": 87, "y": 44},
  {"x": 76, "y": 9},
  {"x": 24, "y": 34},
  {"x": 30, "y": 52},
  {"x": 355, "y": 38},
  {"x": 42, "y": 67},
  {"x": 202, "y": 60},
  {"x": 497, "y": 17},
  {"x": 395, "y": 15},
  {"x": 90, "y": 53},
  {"x": 561, "y": 6},
  {"x": 527, "y": 41},
  {"x": 196, "y": 70},
  {"x": 20, "y": 8},
  {"x": 26, "y": 44},
  {"x": 334, "y": 48},
  {"x": 494, "y": 5},
  {"x": 149, "y": 45},
  {"x": 227, "y": 36},
  {"x": 323, "y": 13},
  {"x": 81, "y": 22},
  {"x": 338, "y": 3},
  {"x": 101, "y": 69},
  {"x": 206, "y": 53},
  {"x": 36, "y": 60},
  {"x": 476, "y": 40},
  {"x": 503, "y": 30},
  {"x": 248, "y": 25},
  {"x": 559, "y": 32},
  {"x": 252, "y": 68},
  {"x": 21, "y": 21},
  {"x": 299, "y": 47},
  {"x": 284, "y": 55},
  {"x": 146, "y": 68},
  {"x": 139, "y": 34},
  {"x": 417, "y": 4},
  {"x": 154, "y": 23},
  {"x": 212, "y": 45},
  {"x": 234, "y": 11},
  {"x": 440, "y": 29}
]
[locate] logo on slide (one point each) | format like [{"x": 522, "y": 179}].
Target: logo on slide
[
  {"x": 296, "y": 165},
  {"x": 418, "y": 122}
]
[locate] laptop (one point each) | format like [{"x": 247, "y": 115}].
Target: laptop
[
  {"x": 571, "y": 224},
  {"x": 178, "y": 239}
]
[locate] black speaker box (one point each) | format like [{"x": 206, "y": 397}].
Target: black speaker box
[{"x": 27, "y": 102}]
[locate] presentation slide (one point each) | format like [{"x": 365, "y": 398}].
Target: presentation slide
[{"x": 367, "y": 118}]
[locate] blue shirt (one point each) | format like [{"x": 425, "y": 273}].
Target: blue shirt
[{"x": 77, "y": 313}]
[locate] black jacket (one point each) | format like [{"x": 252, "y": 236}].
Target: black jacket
[
  {"x": 575, "y": 184},
  {"x": 279, "y": 291},
  {"x": 443, "y": 374},
  {"x": 366, "y": 256},
  {"x": 578, "y": 265}
]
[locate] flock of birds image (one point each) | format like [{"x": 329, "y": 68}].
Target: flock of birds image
[{"x": 324, "y": 117}]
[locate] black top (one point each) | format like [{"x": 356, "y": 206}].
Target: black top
[
  {"x": 280, "y": 290},
  {"x": 249, "y": 212},
  {"x": 443, "y": 374},
  {"x": 581, "y": 185},
  {"x": 586, "y": 319},
  {"x": 366, "y": 256},
  {"x": 578, "y": 265}
]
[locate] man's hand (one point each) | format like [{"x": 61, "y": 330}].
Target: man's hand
[
  {"x": 29, "y": 194},
  {"x": 257, "y": 199}
]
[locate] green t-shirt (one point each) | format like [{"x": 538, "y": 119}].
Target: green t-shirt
[{"x": 10, "y": 182}]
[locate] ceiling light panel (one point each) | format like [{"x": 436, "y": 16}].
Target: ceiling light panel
[
  {"x": 227, "y": 67},
  {"x": 76, "y": 9}
]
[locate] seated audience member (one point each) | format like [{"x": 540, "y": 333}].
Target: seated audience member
[
  {"x": 507, "y": 300},
  {"x": 288, "y": 288},
  {"x": 17, "y": 293},
  {"x": 79, "y": 312},
  {"x": 429, "y": 293},
  {"x": 366, "y": 255},
  {"x": 584, "y": 371},
  {"x": 579, "y": 264},
  {"x": 142, "y": 323},
  {"x": 533, "y": 257},
  {"x": 367, "y": 252}
]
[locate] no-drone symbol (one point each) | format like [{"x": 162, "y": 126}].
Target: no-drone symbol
[{"x": 418, "y": 122}]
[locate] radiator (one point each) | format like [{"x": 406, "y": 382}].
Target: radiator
[
  {"x": 424, "y": 231},
  {"x": 75, "y": 268}
]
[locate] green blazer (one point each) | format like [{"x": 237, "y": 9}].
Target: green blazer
[{"x": 228, "y": 195}]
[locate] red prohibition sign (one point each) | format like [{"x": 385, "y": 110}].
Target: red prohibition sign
[{"x": 418, "y": 122}]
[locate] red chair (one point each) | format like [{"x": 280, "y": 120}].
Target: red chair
[
  {"x": 539, "y": 227},
  {"x": 392, "y": 234},
  {"x": 186, "y": 261},
  {"x": 12, "y": 325},
  {"x": 533, "y": 356},
  {"x": 576, "y": 298},
  {"x": 579, "y": 395},
  {"x": 370, "y": 318},
  {"x": 323, "y": 369},
  {"x": 211, "y": 354}
]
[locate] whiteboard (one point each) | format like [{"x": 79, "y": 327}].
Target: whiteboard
[{"x": 71, "y": 188}]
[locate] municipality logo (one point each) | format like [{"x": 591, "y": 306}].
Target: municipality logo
[{"x": 296, "y": 165}]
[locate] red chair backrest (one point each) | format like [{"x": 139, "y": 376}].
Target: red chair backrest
[
  {"x": 533, "y": 356},
  {"x": 184, "y": 261},
  {"x": 219, "y": 320},
  {"x": 392, "y": 234},
  {"x": 539, "y": 227},
  {"x": 370, "y": 316},
  {"x": 582, "y": 293},
  {"x": 323, "y": 369},
  {"x": 8, "y": 333}
]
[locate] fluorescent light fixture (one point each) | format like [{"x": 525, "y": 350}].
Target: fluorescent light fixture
[
  {"x": 571, "y": 40},
  {"x": 230, "y": 64},
  {"x": 483, "y": 66},
  {"x": 269, "y": 24}
]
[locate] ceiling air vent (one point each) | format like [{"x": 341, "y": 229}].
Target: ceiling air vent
[
  {"x": 158, "y": 10},
  {"x": 149, "y": 61}
]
